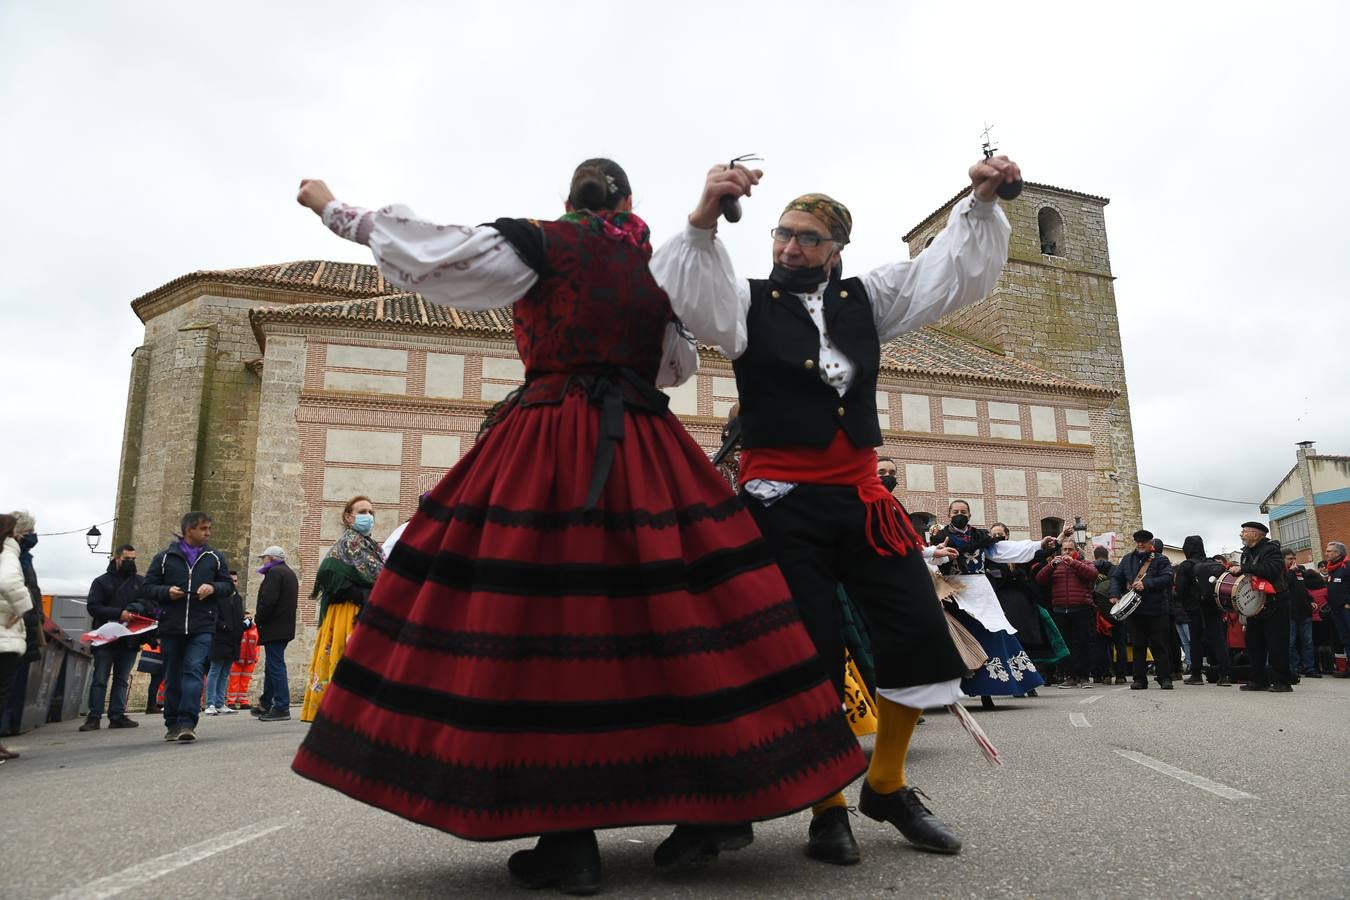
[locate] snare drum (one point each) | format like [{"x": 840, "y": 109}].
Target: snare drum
[
  {"x": 1125, "y": 606},
  {"x": 1235, "y": 593}
]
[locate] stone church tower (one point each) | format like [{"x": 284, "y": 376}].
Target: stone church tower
[{"x": 1055, "y": 307}]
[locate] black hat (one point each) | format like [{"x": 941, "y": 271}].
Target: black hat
[
  {"x": 1259, "y": 526},
  {"x": 1142, "y": 535}
]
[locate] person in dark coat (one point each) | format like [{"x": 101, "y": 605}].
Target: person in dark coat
[
  {"x": 1112, "y": 638},
  {"x": 1268, "y": 631},
  {"x": 1338, "y": 597},
  {"x": 1149, "y": 574},
  {"x": 113, "y": 597},
  {"x": 1195, "y": 592},
  {"x": 224, "y": 650},
  {"x": 1297, "y": 579},
  {"x": 278, "y": 598},
  {"x": 185, "y": 582}
]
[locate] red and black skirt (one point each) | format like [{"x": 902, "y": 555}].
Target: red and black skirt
[{"x": 528, "y": 664}]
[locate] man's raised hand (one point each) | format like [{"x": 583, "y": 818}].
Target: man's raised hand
[
  {"x": 987, "y": 174},
  {"x": 722, "y": 181}
]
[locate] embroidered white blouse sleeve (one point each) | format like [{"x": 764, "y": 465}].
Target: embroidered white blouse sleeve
[
  {"x": 695, "y": 270},
  {"x": 959, "y": 268},
  {"x": 455, "y": 265}
]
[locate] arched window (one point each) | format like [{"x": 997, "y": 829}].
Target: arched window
[
  {"x": 1051, "y": 527},
  {"x": 929, "y": 241},
  {"x": 1052, "y": 231},
  {"x": 921, "y": 521}
]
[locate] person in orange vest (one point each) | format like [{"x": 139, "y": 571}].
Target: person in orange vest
[{"x": 241, "y": 673}]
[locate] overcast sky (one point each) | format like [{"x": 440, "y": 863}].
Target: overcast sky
[{"x": 143, "y": 141}]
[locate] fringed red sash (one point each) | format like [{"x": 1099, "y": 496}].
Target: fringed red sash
[{"x": 888, "y": 528}]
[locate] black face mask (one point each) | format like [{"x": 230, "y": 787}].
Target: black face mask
[
  {"x": 126, "y": 567},
  {"x": 28, "y": 542},
  {"x": 798, "y": 281},
  {"x": 960, "y": 521},
  {"x": 889, "y": 482}
]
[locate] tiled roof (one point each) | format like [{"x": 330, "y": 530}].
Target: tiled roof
[
  {"x": 1031, "y": 184},
  {"x": 350, "y": 279},
  {"x": 927, "y": 352}
]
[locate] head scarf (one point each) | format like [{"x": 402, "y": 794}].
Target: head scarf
[{"x": 828, "y": 211}]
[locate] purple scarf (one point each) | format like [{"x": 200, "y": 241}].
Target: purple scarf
[
  {"x": 190, "y": 551},
  {"x": 268, "y": 565}
]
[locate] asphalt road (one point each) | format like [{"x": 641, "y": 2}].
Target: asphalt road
[{"x": 1197, "y": 792}]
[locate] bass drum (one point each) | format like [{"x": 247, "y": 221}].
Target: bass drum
[{"x": 1237, "y": 594}]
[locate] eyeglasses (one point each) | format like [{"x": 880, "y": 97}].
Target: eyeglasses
[{"x": 805, "y": 239}]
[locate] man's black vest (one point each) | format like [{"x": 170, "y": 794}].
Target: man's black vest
[{"x": 784, "y": 401}]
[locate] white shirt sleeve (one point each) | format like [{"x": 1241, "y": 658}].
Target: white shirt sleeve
[
  {"x": 959, "y": 268},
  {"x": 695, "y": 270},
  {"x": 455, "y": 265},
  {"x": 1012, "y": 551}
]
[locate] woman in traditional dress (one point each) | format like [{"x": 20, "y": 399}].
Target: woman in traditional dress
[
  {"x": 342, "y": 585},
  {"x": 1008, "y": 671},
  {"x": 605, "y": 641}
]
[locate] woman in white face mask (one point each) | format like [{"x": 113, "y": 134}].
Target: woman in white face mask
[{"x": 342, "y": 585}]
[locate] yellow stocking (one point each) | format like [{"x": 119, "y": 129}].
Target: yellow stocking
[
  {"x": 829, "y": 803},
  {"x": 895, "y": 726}
]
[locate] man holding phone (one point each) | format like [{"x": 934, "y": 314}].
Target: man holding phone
[{"x": 186, "y": 581}]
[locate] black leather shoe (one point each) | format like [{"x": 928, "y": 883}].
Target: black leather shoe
[
  {"x": 569, "y": 861},
  {"x": 1279, "y": 688},
  {"x": 693, "y": 846},
  {"x": 1138, "y": 685},
  {"x": 90, "y": 724},
  {"x": 123, "y": 722},
  {"x": 1195, "y": 679},
  {"x": 1166, "y": 685},
  {"x": 906, "y": 812},
  {"x": 1225, "y": 681},
  {"x": 831, "y": 838},
  {"x": 1253, "y": 686}
]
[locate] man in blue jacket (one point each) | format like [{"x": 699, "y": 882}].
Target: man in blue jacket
[
  {"x": 1150, "y": 575},
  {"x": 113, "y": 597},
  {"x": 186, "y": 581}
]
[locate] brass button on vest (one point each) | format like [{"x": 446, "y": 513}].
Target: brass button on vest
[
  {"x": 775, "y": 295},
  {"x": 843, "y": 295},
  {"x": 810, "y": 363},
  {"x": 839, "y": 411}
]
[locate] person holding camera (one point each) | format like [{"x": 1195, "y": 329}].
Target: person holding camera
[
  {"x": 113, "y": 597},
  {"x": 1070, "y": 580}
]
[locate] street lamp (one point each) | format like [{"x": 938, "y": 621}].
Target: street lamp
[
  {"x": 1079, "y": 532},
  {"x": 92, "y": 537}
]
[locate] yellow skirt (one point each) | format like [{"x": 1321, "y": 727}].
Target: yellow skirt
[
  {"x": 334, "y": 630},
  {"x": 859, "y": 706}
]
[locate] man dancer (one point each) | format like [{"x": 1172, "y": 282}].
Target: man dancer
[
  {"x": 805, "y": 345},
  {"x": 1268, "y": 631}
]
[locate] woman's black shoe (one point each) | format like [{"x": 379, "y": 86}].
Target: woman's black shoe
[
  {"x": 693, "y": 846},
  {"x": 906, "y": 812},
  {"x": 569, "y": 861},
  {"x": 830, "y": 838}
]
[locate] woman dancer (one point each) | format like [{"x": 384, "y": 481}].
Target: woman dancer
[
  {"x": 342, "y": 585},
  {"x": 606, "y": 642}
]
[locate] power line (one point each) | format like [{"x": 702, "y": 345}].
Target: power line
[
  {"x": 75, "y": 530},
  {"x": 1114, "y": 477}
]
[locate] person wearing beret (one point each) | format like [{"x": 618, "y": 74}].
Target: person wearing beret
[{"x": 1268, "y": 630}]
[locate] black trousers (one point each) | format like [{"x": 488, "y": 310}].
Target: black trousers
[
  {"x": 9, "y": 664},
  {"x": 1268, "y": 645},
  {"x": 817, "y": 533},
  {"x": 1152, "y": 633},
  {"x": 1077, "y": 625},
  {"x": 1209, "y": 637}
]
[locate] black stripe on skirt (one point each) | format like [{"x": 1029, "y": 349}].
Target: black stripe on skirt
[
  {"x": 516, "y": 647},
  {"x": 481, "y": 788},
  {"x": 577, "y": 517},
  {"x": 575, "y": 717},
  {"x": 468, "y": 574}
]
